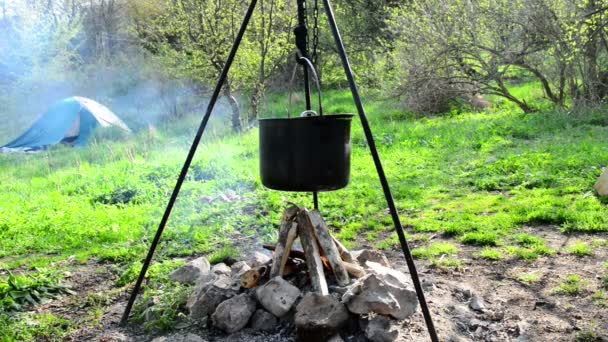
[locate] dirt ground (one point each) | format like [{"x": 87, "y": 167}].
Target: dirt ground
[{"x": 514, "y": 311}]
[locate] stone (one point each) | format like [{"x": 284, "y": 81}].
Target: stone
[
  {"x": 382, "y": 329},
  {"x": 319, "y": 317},
  {"x": 389, "y": 275},
  {"x": 113, "y": 336},
  {"x": 207, "y": 296},
  {"x": 365, "y": 255},
  {"x": 190, "y": 272},
  {"x": 263, "y": 320},
  {"x": 374, "y": 294},
  {"x": 177, "y": 337},
  {"x": 427, "y": 285},
  {"x": 233, "y": 314},
  {"x": 258, "y": 259},
  {"x": 476, "y": 303},
  {"x": 601, "y": 186},
  {"x": 277, "y": 296},
  {"x": 238, "y": 268},
  {"x": 336, "y": 338},
  {"x": 221, "y": 268}
]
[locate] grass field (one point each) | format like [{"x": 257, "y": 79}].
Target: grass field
[{"x": 474, "y": 178}]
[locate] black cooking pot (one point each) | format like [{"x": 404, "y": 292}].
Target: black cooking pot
[{"x": 305, "y": 153}]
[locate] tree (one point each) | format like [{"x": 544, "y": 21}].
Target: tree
[
  {"x": 194, "y": 38},
  {"x": 481, "y": 45}
]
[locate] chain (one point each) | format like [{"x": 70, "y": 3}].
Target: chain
[
  {"x": 315, "y": 34},
  {"x": 306, "y": 22}
]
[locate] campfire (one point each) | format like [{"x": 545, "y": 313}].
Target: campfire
[{"x": 312, "y": 283}]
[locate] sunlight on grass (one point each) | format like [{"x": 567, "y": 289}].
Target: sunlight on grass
[
  {"x": 529, "y": 278},
  {"x": 434, "y": 250},
  {"x": 481, "y": 239},
  {"x": 491, "y": 254},
  {"x": 580, "y": 249},
  {"x": 570, "y": 286},
  {"x": 447, "y": 263}
]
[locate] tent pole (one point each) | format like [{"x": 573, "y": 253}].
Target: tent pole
[
  {"x": 385, "y": 186},
  {"x": 191, "y": 153}
]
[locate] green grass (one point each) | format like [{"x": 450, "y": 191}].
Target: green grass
[
  {"x": 223, "y": 254},
  {"x": 481, "y": 239},
  {"x": 528, "y": 240},
  {"x": 529, "y": 247},
  {"x": 491, "y": 254},
  {"x": 529, "y": 253},
  {"x": 34, "y": 327},
  {"x": 447, "y": 263},
  {"x": 570, "y": 286},
  {"x": 478, "y": 178},
  {"x": 600, "y": 298},
  {"x": 587, "y": 336},
  {"x": 434, "y": 250},
  {"x": 580, "y": 249},
  {"x": 20, "y": 292},
  {"x": 529, "y": 278}
]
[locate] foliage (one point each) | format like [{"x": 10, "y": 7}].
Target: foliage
[
  {"x": 529, "y": 278},
  {"x": 570, "y": 286},
  {"x": 580, "y": 249},
  {"x": 167, "y": 308},
  {"x": 34, "y": 327},
  {"x": 492, "y": 254},
  {"x": 447, "y": 263},
  {"x": 222, "y": 254},
  {"x": 18, "y": 292},
  {"x": 482, "y": 45},
  {"x": 480, "y": 239}
]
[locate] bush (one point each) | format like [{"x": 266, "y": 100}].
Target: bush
[{"x": 432, "y": 96}]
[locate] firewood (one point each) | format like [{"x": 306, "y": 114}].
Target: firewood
[
  {"x": 313, "y": 258},
  {"x": 294, "y": 253},
  {"x": 287, "y": 234},
  {"x": 327, "y": 244},
  {"x": 353, "y": 269},
  {"x": 344, "y": 253},
  {"x": 251, "y": 278},
  {"x": 289, "y": 215}
]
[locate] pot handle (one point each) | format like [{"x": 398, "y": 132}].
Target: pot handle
[{"x": 311, "y": 67}]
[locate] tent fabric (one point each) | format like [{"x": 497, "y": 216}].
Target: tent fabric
[{"x": 71, "y": 120}]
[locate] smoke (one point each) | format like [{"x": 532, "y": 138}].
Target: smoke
[{"x": 48, "y": 56}]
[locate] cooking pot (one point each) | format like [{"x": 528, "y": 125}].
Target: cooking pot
[
  {"x": 309, "y": 153},
  {"x": 306, "y": 153}
]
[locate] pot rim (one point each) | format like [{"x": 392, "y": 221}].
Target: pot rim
[{"x": 344, "y": 116}]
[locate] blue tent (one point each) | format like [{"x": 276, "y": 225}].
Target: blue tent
[{"x": 70, "y": 121}]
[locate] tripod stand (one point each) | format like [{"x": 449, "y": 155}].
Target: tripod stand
[{"x": 368, "y": 135}]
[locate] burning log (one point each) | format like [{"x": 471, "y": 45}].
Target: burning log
[
  {"x": 329, "y": 247},
  {"x": 251, "y": 278},
  {"x": 353, "y": 269},
  {"x": 344, "y": 253},
  {"x": 306, "y": 232}
]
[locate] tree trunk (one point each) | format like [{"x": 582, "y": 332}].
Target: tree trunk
[
  {"x": 590, "y": 77},
  {"x": 234, "y": 106}
]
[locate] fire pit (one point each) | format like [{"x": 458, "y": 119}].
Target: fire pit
[
  {"x": 311, "y": 282},
  {"x": 299, "y": 169}
]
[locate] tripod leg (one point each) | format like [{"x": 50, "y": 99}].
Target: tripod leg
[
  {"x": 184, "y": 171},
  {"x": 385, "y": 186}
]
